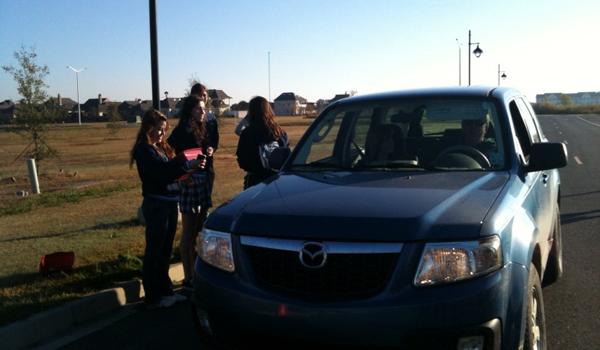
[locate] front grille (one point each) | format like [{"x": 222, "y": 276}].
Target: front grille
[{"x": 344, "y": 276}]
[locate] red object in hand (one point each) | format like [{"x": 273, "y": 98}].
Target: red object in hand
[
  {"x": 192, "y": 153},
  {"x": 59, "y": 261}
]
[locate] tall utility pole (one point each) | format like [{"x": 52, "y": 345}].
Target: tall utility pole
[
  {"x": 459, "y": 63},
  {"x": 269, "y": 68},
  {"x": 477, "y": 52},
  {"x": 154, "y": 56},
  {"x": 77, "y": 71}
]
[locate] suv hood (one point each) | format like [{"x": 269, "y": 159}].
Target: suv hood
[{"x": 365, "y": 206}]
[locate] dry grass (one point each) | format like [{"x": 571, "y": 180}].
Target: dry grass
[{"x": 88, "y": 205}]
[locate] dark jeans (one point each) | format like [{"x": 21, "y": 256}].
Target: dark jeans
[{"x": 161, "y": 224}]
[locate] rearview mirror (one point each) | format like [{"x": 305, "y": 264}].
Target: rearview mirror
[{"x": 546, "y": 156}]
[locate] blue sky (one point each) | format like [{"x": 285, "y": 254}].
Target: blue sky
[{"x": 318, "y": 47}]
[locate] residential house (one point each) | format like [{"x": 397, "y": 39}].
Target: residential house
[
  {"x": 96, "y": 109},
  {"x": 322, "y": 104},
  {"x": 239, "y": 110},
  {"x": 66, "y": 107},
  {"x": 219, "y": 101},
  {"x": 132, "y": 111},
  {"x": 311, "y": 109},
  {"x": 7, "y": 112},
  {"x": 170, "y": 106},
  {"x": 580, "y": 98},
  {"x": 288, "y": 103}
]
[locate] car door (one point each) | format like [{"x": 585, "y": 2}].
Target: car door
[{"x": 538, "y": 202}]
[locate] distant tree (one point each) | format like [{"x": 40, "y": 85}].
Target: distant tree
[
  {"x": 192, "y": 80},
  {"x": 32, "y": 115},
  {"x": 115, "y": 123},
  {"x": 566, "y": 99}
]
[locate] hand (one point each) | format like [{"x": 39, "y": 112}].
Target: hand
[
  {"x": 210, "y": 151},
  {"x": 197, "y": 164}
]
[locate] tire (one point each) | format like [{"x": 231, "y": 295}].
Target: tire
[
  {"x": 216, "y": 339},
  {"x": 535, "y": 322},
  {"x": 554, "y": 267}
]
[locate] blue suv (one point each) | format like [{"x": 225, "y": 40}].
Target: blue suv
[{"x": 419, "y": 219}]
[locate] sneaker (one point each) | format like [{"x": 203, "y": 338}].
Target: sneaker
[
  {"x": 187, "y": 286},
  {"x": 166, "y": 302},
  {"x": 176, "y": 298}
]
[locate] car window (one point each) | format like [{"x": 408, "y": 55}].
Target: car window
[
  {"x": 532, "y": 128},
  {"x": 426, "y": 134},
  {"x": 534, "y": 117},
  {"x": 523, "y": 137}
]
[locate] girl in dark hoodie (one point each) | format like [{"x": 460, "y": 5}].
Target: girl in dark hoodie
[
  {"x": 262, "y": 129},
  {"x": 158, "y": 168}
]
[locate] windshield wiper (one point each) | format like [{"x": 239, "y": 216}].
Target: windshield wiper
[
  {"x": 392, "y": 165},
  {"x": 320, "y": 165}
]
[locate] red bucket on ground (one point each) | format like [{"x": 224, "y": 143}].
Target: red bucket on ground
[{"x": 59, "y": 261}]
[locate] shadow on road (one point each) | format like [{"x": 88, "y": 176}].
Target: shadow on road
[{"x": 581, "y": 216}]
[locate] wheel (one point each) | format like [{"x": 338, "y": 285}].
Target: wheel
[
  {"x": 215, "y": 338},
  {"x": 554, "y": 267},
  {"x": 468, "y": 151},
  {"x": 535, "y": 323}
]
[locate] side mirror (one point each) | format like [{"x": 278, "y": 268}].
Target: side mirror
[
  {"x": 546, "y": 156},
  {"x": 278, "y": 157}
]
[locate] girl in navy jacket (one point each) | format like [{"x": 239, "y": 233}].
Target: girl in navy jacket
[{"x": 158, "y": 168}]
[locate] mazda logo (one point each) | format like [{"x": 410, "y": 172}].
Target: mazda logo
[{"x": 313, "y": 255}]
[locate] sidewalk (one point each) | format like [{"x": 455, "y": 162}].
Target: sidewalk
[{"x": 58, "y": 321}]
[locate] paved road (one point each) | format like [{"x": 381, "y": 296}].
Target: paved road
[{"x": 572, "y": 305}]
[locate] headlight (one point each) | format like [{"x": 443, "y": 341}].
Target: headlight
[
  {"x": 455, "y": 261},
  {"x": 214, "y": 248}
]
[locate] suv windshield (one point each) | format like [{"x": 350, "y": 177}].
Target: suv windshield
[{"x": 426, "y": 134}]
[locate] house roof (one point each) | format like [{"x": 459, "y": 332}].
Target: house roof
[
  {"x": 241, "y": 106},
  {"x": 290, "y": 96},
  {"x": 170, "y": 102},
  {"x": 65, "y": 101},
  {"x": 7, "y": 105},
  {"x": 217, "y": 94},
  {"x": 339, "y": 97}
]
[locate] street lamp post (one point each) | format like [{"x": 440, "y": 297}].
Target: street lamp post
[
  {"x": 77, "y": 71},
  {"x": 459, "y": 62},
  {"x": 477, "y": 52},
  {"x": 501, "y": 74}
]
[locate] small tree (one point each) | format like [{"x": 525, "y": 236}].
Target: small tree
[
  {"x": 32, "y": 115},
  {"x": 115, "y": 123},
  {"x": 566, "y": 100}
]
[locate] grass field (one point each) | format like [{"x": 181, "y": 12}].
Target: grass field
[{"x": 88, "y": 205}]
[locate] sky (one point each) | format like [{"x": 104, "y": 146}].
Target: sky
[{"x": 318, "y": 48}]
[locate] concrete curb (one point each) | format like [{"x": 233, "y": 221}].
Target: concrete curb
[{"x": 41, "y": 327}]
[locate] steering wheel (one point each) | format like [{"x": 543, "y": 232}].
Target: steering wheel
[{"x": 468, "y": 151}]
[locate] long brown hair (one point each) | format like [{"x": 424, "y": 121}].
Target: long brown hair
[
  {"x": 186, "y": 118},
  {"x": 151, "y": 119},
  {"x": 261, "y": 116}
]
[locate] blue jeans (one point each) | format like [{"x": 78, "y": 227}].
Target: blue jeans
[{"x": 161, "y": 224}]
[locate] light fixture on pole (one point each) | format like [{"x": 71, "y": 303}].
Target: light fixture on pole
[
  {"x": 459, "y": 62},
  {"x": 477, "y": 52},
  {"x": 77, "y": 71},
  {"x": 501, "y": 74}
]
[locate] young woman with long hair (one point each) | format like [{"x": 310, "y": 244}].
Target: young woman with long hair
[
  {"x": 194, "y": 198},
  {"x": 158, "y": 167},
  {"x": 262, "y": 129}
]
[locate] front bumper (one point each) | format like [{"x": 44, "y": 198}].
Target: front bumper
[{"x": 433, "y": 317}]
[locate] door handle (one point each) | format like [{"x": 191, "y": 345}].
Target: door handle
[{"x": 545, "y": 178}]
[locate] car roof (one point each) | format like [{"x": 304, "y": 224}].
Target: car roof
[{"x": 455, "y": 91}]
